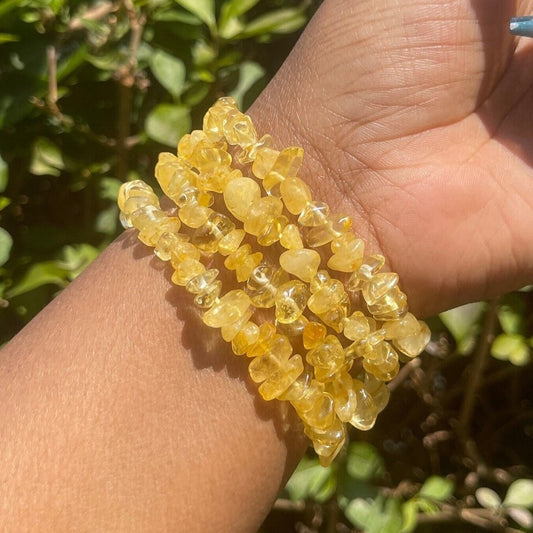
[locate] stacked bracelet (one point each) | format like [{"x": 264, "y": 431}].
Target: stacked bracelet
[{"x": 237, "y": 211}]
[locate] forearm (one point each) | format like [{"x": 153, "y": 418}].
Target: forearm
[{"x": 115, "y": 416}]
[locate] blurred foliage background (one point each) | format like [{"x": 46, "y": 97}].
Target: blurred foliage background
[{"x": 90, "y": 92}]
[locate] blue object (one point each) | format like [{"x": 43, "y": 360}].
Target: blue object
[{"x": 521, "y": 26}]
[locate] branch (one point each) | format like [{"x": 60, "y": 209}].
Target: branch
[{"x": 97, "y": 12}]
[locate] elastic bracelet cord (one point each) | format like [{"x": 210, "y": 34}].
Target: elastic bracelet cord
[{"x": 330, "y": 346}]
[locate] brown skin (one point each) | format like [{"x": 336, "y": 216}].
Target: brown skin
[{"x": 119, "y": 412}]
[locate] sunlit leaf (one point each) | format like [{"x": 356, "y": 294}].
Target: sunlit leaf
[
  {"x": 169, "y": 71},
  {"x": 109, "y": 188},
  {"x": 76, "y": 258},
  {"x": 167, "y": 123},
  {"x": 511, "y": 314},
  {"x": 520, "y": 494},
  {"x": 512, "y": 348},
  {"x": 203, "y": 9},
  {"x": 437, "y": 488},
  {"x": 311, "y": 480},
  {"x": 6, "y": 243},
  {"x": 409, "y": 516},
  {"x": 249, "y": 73},
  {"x": 364, "y": 462},
  {"x": 463, "y": 324},
  {"x": 283, "y": 20},
  {"x": 488, "y": 498},
  {"x": 228, "y": 22},
  {"x": 375, "y": 516},
  {"x": 47, "y": 272},
  {"x": 46, "y": 158},
  {"x": 8, "y": 38}
]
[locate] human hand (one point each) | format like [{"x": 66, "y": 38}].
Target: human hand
[{"x": 417, "y": 119}]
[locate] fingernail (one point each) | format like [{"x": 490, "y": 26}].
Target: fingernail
[{"x": 521, "y": 26}]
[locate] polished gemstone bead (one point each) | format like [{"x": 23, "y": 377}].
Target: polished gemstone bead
[
  {"x": 249, "y": 153},
  {"x": 305, "y": 392},
  {"x": 228, "y": 309},
  {"x": 313, "y": 335},
  {"x": 147, "y": 220},
  {"x": 138, "y": 205},
  {"x": 271, "y": 232},
  {"x": 238, "y": 129},
  {"x": 384, "y": 363},
  {"x": 390, "y": 306},
  {"x": 370, "y": 267},
  {"x": 379, "y": 286},
  {"x": 335, "y": 316},
  {"x": 243, "y": 262},
  {"x": 348, "y": 253},
  {"x": 366, "y": 411},
  {"x": 245, "y": 338},
  {"x": 414, "y": 344},
  {"x": 314, "y": 214},
  {"x": 318, "y": 281},
  {"x": 208, "y": 158},
  {"x": 166, "y": 244},
  {"x": 136, "y": 189},
  {"x": 194, "y": 215},
  {"x": 186, "y": 270},
  {"x": 291, "y": 299},
  {"x": 344, "y": 396},
  {"x": 290, "y": 237},
  {"x": 282, "y": 379},
  {"x": 403, "y": 327},
  {"x": 199, "y": 283},
  {"x": 327, "y": 358},
  {"x": 356, "y": 326},
  {"x": 330, "y": 294},
  {"x": 295, "y": 194},
  {"x": 229, "y": 331},
  {"x": 328, "y": 442},
  {"x": 181, "y": 251},
  {"x": 239, "y": 195},
  {"x": 322, "y": 413},
  {"x": 207, "y": 236},
  {"x": 336, "y": 226},
  {"x": 265, "y": 158},
  {"x": 267, "y": 334},
  {"x": 379, "y": 391},
  {"x": 263, "y": 284},
  {"x": 302, "y": 263},
  {"x": 188, "y": 142},
  {"x": 269, "y": 361},
  {"x": 173, "y": 174},
  {"x": 231, "y": 242},
  {"x": 208, "y": 297},
  {"x": 262, "y": 211},
  {"x": 293, "y": 329}
]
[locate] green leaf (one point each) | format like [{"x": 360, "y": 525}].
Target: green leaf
[
  {"x": 437, "y": 488},
  {"x": 169, "y": 71},
  {"x": 409, "y": 516},
  {"x": 488, "y": 498},
  {"x": 6, "y": 243},
  {"x": 311, "y": 480},
  {"x": 107, "y": 220},
  {"x": 363, "y": 462},
  {"x": 167, "y": 123},
  {"x": 46, "y": 158},
  {"x": 228, "y": 22},
  {"x": 109, "y": 188},
  {"x": 3, "y": 175},
  {"x": 520, "y": 494},
  {"x": 521, "y": 516},
  {"x": 512, "y": 348},
  {"x": 4, "y": 202},
  {"x": 71, "y": 62},
  {"x": 8, "y": 5},
  {"x": 463, "y": 324},
  {"x": 76, "y": 258},
  {"x": 8, "y": 38},
  {"x": 375, "y": 516},
  {"x": 47, "y": 272},
  {"x": 511, "y": 313},
  {"x": 203, "y": 9},
  {"x": 249, "y": 73},
  {"x": 285, "y": 20}
]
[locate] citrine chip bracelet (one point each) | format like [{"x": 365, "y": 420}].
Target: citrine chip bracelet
[{"x": 332, "y": 326}]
